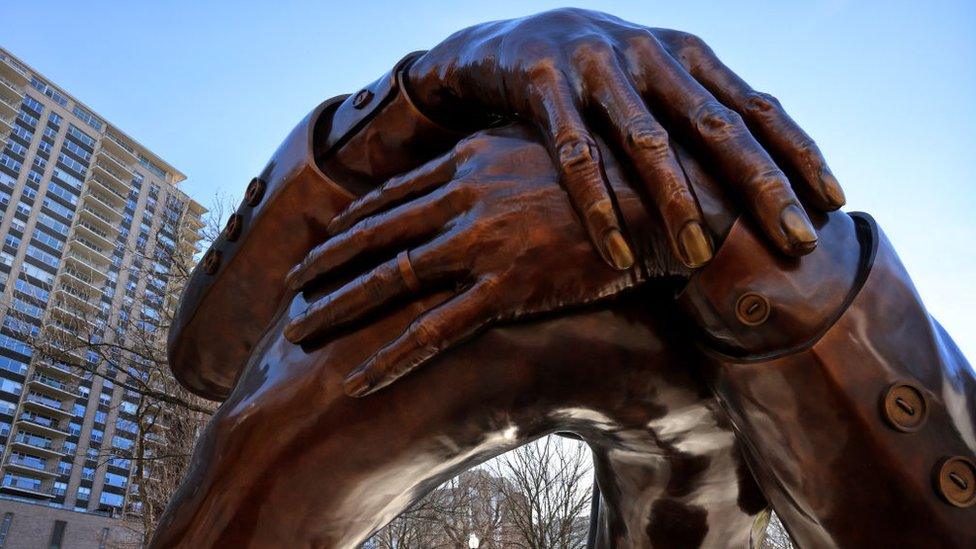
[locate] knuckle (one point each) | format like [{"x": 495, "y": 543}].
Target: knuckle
[
  {"x": 374, "y": 284},
  {"x": 457, "y": 199},
  {"x": 716, "y": 120},
  {"x": 543, "y": 70},
  {"x": 577, "y": 150},
  {"x": 642, "y": 136},
  {"x": 425, "y": 334},
  {"x": 770, "y": 185},
  {"x": 760, "y": 103},
  {"x": 593, "y": 49}
]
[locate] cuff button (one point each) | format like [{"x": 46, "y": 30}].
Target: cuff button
[
  {"x": 255, "y": 192},
  {"x": 955, "y": 481},
  {"x": 211, "y": 262},
  {"x": 904, "y": 407},
  {"x": 233, "y": 228},
  {"x": 362, "y": 98},
  {"x": 752, "y": 309}
]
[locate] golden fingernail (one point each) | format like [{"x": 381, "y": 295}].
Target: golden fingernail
[
  {"x": 799, "y": 231},
  {"x": 695, "y": 245},
  {"x": 833, "y": 190},
  {"x": 620, "y": 253}
]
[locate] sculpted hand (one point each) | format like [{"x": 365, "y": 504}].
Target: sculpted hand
[
  {"x": 560, "y": 69},
  {"x": 487, "y": 222}
]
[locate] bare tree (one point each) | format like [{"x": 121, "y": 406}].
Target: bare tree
[
  {"x": 547, "y": 489},
  {"x": 130, "y": 351}
]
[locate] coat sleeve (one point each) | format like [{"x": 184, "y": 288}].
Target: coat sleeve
[{"x": 855, "y": 408}]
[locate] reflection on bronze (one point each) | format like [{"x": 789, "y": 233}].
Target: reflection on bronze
[{"x": 531, "y": 270}]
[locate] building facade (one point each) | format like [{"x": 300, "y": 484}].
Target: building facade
[{"x": 78, "y": 199}]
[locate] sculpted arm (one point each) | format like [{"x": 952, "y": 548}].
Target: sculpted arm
[{"x": 829, "y": 365}]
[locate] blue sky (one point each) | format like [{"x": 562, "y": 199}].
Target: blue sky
[{"x": 886, "y": 88}]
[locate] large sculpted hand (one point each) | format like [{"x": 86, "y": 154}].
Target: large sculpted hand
[
  {"x": 570, "y": 70},
  {"x": 489, "y": 223}
]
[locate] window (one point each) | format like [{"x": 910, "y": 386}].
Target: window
[
  {"x": 113, "y": 479},
  {"x": 81, "y": 136},
  {"x": 57, "y": 535},
  {"x": 97, "y": 434},
  {"x": 84, "y": 493},
  {"x": 87, "y": 117},
  {"x": 5, "y": 527},
  {"x": 110, "y": 499},
  {"x": 60, "y": 488},
  {"x": 33, "y": 104}
]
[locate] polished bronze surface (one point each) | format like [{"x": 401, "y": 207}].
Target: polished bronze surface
[{"x": 531, "y": 270}]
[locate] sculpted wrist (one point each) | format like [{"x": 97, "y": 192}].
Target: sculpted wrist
[
  {"x": 753, "y": 303},
  {"x": 379, "y": 132}
]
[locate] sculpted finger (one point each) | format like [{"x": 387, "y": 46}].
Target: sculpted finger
[
  {"x": 397, "y": 189},
  {"x": 647, "y": 144},
  {"x": 432, "y": 333},
  {"x": 723, "y": 135},
  {"x": 579, "y": 165},
  {"x": 393, "y": 280},
  {"x": 766, "y": 118},
  {"x": 402, "y": 224}
]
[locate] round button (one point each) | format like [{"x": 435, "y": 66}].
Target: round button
[
  {"x": 235, "y": 224},
  {"x": 361, "y": 99},
  {"x": 211, "y": 261},
  {"x": 904, "y": 407},
  {"x": 956, "y": 481},
  {"x": 255, "y": 192},
  {"x": 752, "y": 309}
]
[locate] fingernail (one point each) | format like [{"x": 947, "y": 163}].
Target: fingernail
[
  {"x": 695, "y": 245},
  {"x": 356, "y": 383},
  {"x": 335, "y": 225},
  {"x": 293, "y": 332},
  {"x": 832, "y": 190},
  {"x": 291, "y": 279},
  {"x": 802, "y": 235},
  {"x": 620, "y": 253}
]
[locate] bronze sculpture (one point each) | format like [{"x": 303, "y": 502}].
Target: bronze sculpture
[{"x": 770, "y": 401}]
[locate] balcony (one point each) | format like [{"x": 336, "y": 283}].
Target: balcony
[
  {"x": 43, "y": 424},
  {"x": 32, "y": 464},
  {"x": 86, "y": 282},
  {"x": 109, "y": 214},
  {"x": 26, "y": 488},
  {"x": 9, "y": 107},
  {"x": 13, "y": 71},
  {"x": 86, "y": 266},
  {"x": 38, "y": 445},
  {"x": 111, "y": 195},
  {"x": 9, "y": 90},
  {"x": 56, "y": 387},
  {"x": 55, "y": 368},
  {"x": 46, "y": 405},
  {"x": 97, "y": 235},
  {"x": 90, "y": 250},
  {"x": 115, "y": 163},
  {"x": 119, "y": 148},
  {"x": 74, "y": 298},
  {"x": 112, "y": 176}
]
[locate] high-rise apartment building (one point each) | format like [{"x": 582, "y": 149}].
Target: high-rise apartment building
[{"x": 77, "y": 196}]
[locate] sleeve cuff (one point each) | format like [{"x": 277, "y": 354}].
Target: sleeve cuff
[{"x": 751, "y": 303}]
